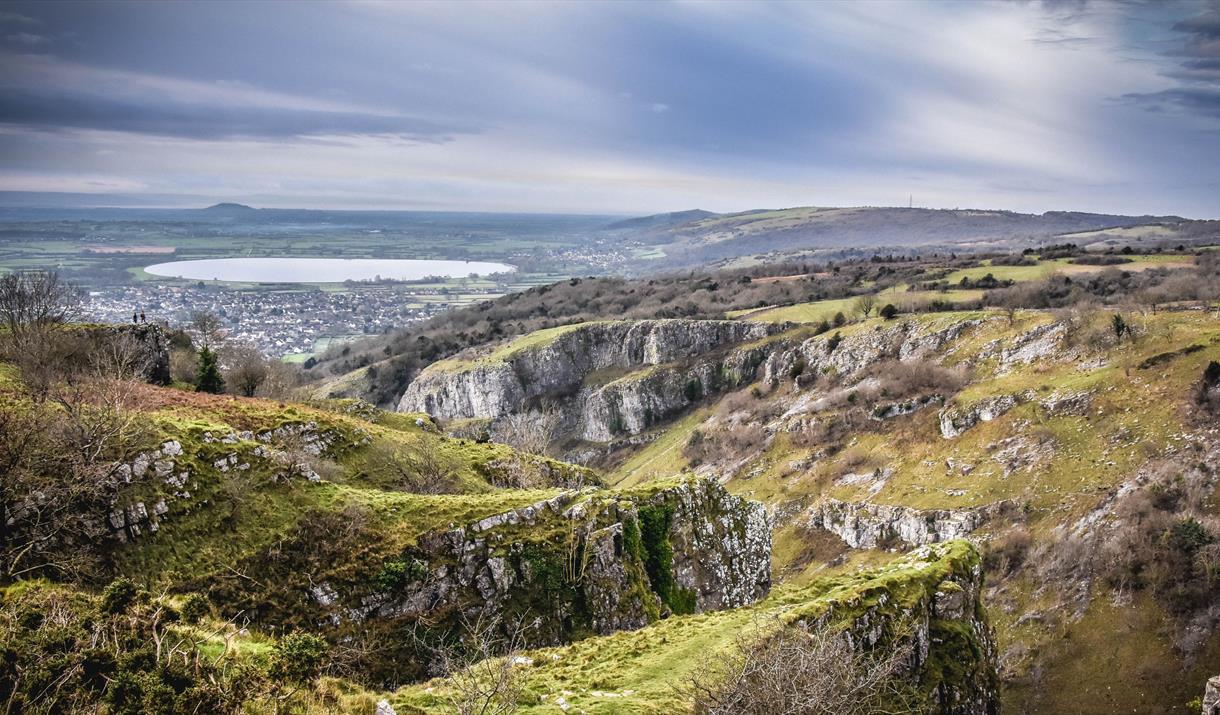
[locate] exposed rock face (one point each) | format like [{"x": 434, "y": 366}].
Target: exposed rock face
[
  {"x": 903, "y": 341},
  {"x": 866, "y": 525},
  {"x": 1211, "y": 696},
  {"x": 604, "y": 562},
  {"x": 152, "y": 341},
  {"x": 1067, "y": 403},
  {"x": 940, "y": 617},
  {"x": 664, "y": 352},
  {"x": 1034, "y": 344},
  {"x": 956, "y": 420},
  {"x": 632, "y": 404}
]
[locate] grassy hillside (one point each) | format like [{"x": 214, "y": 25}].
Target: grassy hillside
[
  {"x": 650, "y": 670},
  {"x": 810, "y": 229},
  {"x": 1094, "y": 416}
]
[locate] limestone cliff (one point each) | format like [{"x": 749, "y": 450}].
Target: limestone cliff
[
  {"x": 864, "y": 525},
  {"x": 151, "y": 341},
  {"x": 583, "y": 561},
  {"x": 930, "y": 601},
  {"x": 854, "y": 351},
  {"x": 658, "y": 366}
]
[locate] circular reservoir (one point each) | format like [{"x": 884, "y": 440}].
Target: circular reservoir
[{"x": 321, "y": 270}]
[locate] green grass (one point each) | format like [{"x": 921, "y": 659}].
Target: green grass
[
  {"x": 818, "y": 311},
  {"x": 1045, "y": 268},
  {"x": 643, "y": 671},
  {"x": 661, "y": 457},
  {"x": 529, "y": 341}
]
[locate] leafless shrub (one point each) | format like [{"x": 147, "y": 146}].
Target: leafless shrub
[
  {"x": 61, "y": 458},
  {"x": 790, "y": 669},
  {"x": 282, "y": 382},
  {"x": 904, "y": 378},
  {"x": 1007, "y": 553},
  {"x": 857, "y": 459},
  {"x": 528, "y": 431},
  {"x": 481, "y": 666},
  {"x": 183, "y": 366},
  {"x": 728, "y": 442},
  {"x": 748, "y": 405},
  {"x": 417, "y": 467}
]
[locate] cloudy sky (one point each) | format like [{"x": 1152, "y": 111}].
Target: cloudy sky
[{"x": 614, "y": 107}]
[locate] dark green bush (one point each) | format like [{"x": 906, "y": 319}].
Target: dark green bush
[
  {"x": 298, "y": 657},
  {"x": 195, "y": 607},
  {"x": 118, "y": 596}
]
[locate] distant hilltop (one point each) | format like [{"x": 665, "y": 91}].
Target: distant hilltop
[
  {"x": 666, "y": 220},
  {"x": 229, "y": 208}
]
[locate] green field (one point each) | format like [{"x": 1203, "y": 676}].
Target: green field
[
  {"x": 818, "y": 311},
  {"x": 1063, "y": 265}
]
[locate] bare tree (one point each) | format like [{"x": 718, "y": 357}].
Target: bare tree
[
  {"x": 246, "y": 368},
  {"x": 283, "y": 380},
  {"x": 33, "y": 309},
  {"x": 865, "y": 304},
  {"x": 206, "y": 330},
  {"x": 789, "y": 669},
  {"x": 529, "y": 431},
  {"x": 36, "y": 301}
]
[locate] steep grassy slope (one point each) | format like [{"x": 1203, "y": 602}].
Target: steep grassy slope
[
  {"x": 257, "y": 543},
  {"x": 647, "y": 671},
  {"x": 1048, "y": 417}
]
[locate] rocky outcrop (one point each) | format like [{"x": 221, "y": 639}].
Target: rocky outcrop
[
  {"x": 1211, "y": 696},
  {"x": 954, "y": 420},
  {"x": 903, "y": 341},
  {"x": 150, "y": 341},
  {"x": 1062, "y": 404},
  {"x": 1035, "y": 344},
  {"x": 632, "y": 404},
  {"x": 929, "y": 602},
  {"x": 675, "y": 362},
  {"x": 588, "y": 561},
  {"x": 173, "y": 470},
  {"x": 863, "y": 525}
]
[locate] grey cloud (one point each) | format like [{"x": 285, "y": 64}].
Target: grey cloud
[
  {"x": 15, "y": 18},
  {"x": 49, "y": 112},
  {"x": 1198, "y": 74},
  {"x": 1200, "y": 100},
  {"x": 28, "y": 38}
]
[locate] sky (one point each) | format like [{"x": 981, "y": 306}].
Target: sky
[{"x": 615, "y": 107}]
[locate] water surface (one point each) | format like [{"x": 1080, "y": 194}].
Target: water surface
[{"x": 320, "y": 270}]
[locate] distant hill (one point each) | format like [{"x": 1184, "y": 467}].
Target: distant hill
[
  {"x": 674, "y": 218},
  {"x": 229, "y": 207},
  {"x": 724, "y": 236}
]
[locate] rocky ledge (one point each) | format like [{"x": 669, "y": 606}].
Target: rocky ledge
[
  {"x": 583, "y": 561},
  {"x": 864, "y": 525},
  {"x": 929, "y": 601},
  {"x": 662, "y": 366}
]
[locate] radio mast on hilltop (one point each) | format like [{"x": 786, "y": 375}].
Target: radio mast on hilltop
[{"x": 911, "y": 201}]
